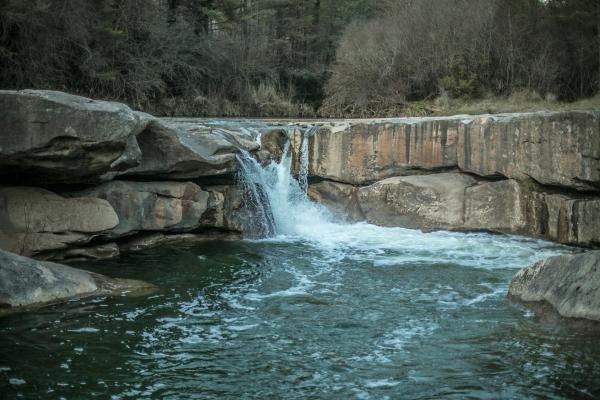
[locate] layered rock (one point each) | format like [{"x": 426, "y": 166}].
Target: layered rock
[
  {"x": 568, "y": 283},
  {"x": 48, "y": 136},
  {"x": 34, "y": 220},
  {"x": 362, "y": 153},
  {"x": 152, "y": 206},
  {"x": 555, "y": 149},
  {"x": 458, "y": 201},
  {"x": 185, "y": 150},
  {"x": 27, "y": 283}
]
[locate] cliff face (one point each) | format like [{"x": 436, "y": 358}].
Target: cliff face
[
  {"x": 533, "y": 173},
  {"x": 86, "y": 179},
  {"x": 81, "y": 178},
  {"x": 556, "y": 149}
]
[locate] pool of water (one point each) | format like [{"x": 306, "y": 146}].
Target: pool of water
[{"x": 358, "y": 313}]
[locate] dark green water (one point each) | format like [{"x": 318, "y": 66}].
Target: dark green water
[{"x": 394, "y": 314}]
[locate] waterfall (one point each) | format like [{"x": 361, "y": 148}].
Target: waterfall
[
  {"x": 276, "y": 202},
  {"x": 303, "y": 170}
]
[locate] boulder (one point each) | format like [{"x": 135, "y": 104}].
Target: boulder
[
  {"x": 418, "y": 201},
  {"x": 27, "y": 283},
  {"x": 569, "y": 283},
  {"x": 54, "y": 137},
  {"x": 553, "y": 148},
  {"x": 188, "y": 150},
  {"x": 341, "y": 199},
  {"x": 152, "y": 206},
  {"x": 366, "y": 152},
  {"x": 34, "y": 220}
]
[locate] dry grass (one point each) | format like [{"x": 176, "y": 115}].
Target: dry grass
[{"x": 518, "y": 102}]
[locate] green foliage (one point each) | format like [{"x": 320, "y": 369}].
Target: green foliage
[{"x": 459, "y": 81}]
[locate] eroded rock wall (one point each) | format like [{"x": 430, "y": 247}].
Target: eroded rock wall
[{"x": 536, "y": 174}]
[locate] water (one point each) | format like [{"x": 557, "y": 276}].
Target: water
[{"x": 319, "y": 309}]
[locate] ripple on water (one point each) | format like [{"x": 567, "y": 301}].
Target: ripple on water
[{"x": 352, "y": 311}]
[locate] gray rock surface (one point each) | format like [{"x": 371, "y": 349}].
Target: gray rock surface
[
  {"x": 418, "y": 201},
  {"x": 152, "y": 206},
  {"x": 553, "y": 148},
  {"x": 339, "y": 198},
  {"x": 570, "y": 283},
  {"x": 48, "y": 136},
  {"x": 187, "y": 150},
  {"x": 26, "y": 283},
  {"x": 34, "y": 220}
]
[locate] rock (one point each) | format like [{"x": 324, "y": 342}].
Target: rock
[
  {"x": 49, "y": 137},
  {"x": 153, "y": 240},
  {"x": 226, "y": 209},
  {"x": 27, "y": 283},
  {"x": 573, "y": 220},
  {"x": 34, "y": 220},
  {"x": 555, "y": 149},
  {"x": 274, "y": 142},
  {"x": 152, "y": 206},
  {"x": 339, "y": 198},
  {"x": 504, "y": 206},
  {"x": 366, "y": 152},
  {"x": 187, "y": 150},
  {"x": 99, "y": 252},
  {"x": 569, "y": 283},
  {"x": 418, "y": 201}
]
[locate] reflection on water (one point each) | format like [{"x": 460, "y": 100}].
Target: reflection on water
[{"x": 364, "y": 313}]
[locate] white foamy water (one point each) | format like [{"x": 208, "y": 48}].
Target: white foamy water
[{"x": 282, "y": 211}]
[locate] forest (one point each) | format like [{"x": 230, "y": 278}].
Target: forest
[{"x": 302, "y": 58}]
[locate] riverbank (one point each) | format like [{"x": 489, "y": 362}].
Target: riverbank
[{"x": 89, "y": 180}]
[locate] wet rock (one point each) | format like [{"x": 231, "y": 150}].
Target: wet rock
[
  {"x": 553, "y": 148},
  {"x": 27, "y": 283},
  {"x": 365, "y": 152},
  {"x": 569, "y": 283},
  {"x": 49, "y": 137},
  {"x": 34, "y": 220},
  {"x": 99, "y": 252},
  {"x": 274, "y": 142},
  {"x": 152, "y": 206},
  {"x": 153, "y": 240},
  {"x": 187, "y": 150},
  {"x": 418, "y": 201},
  {"x": 339, "y": 198}
]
